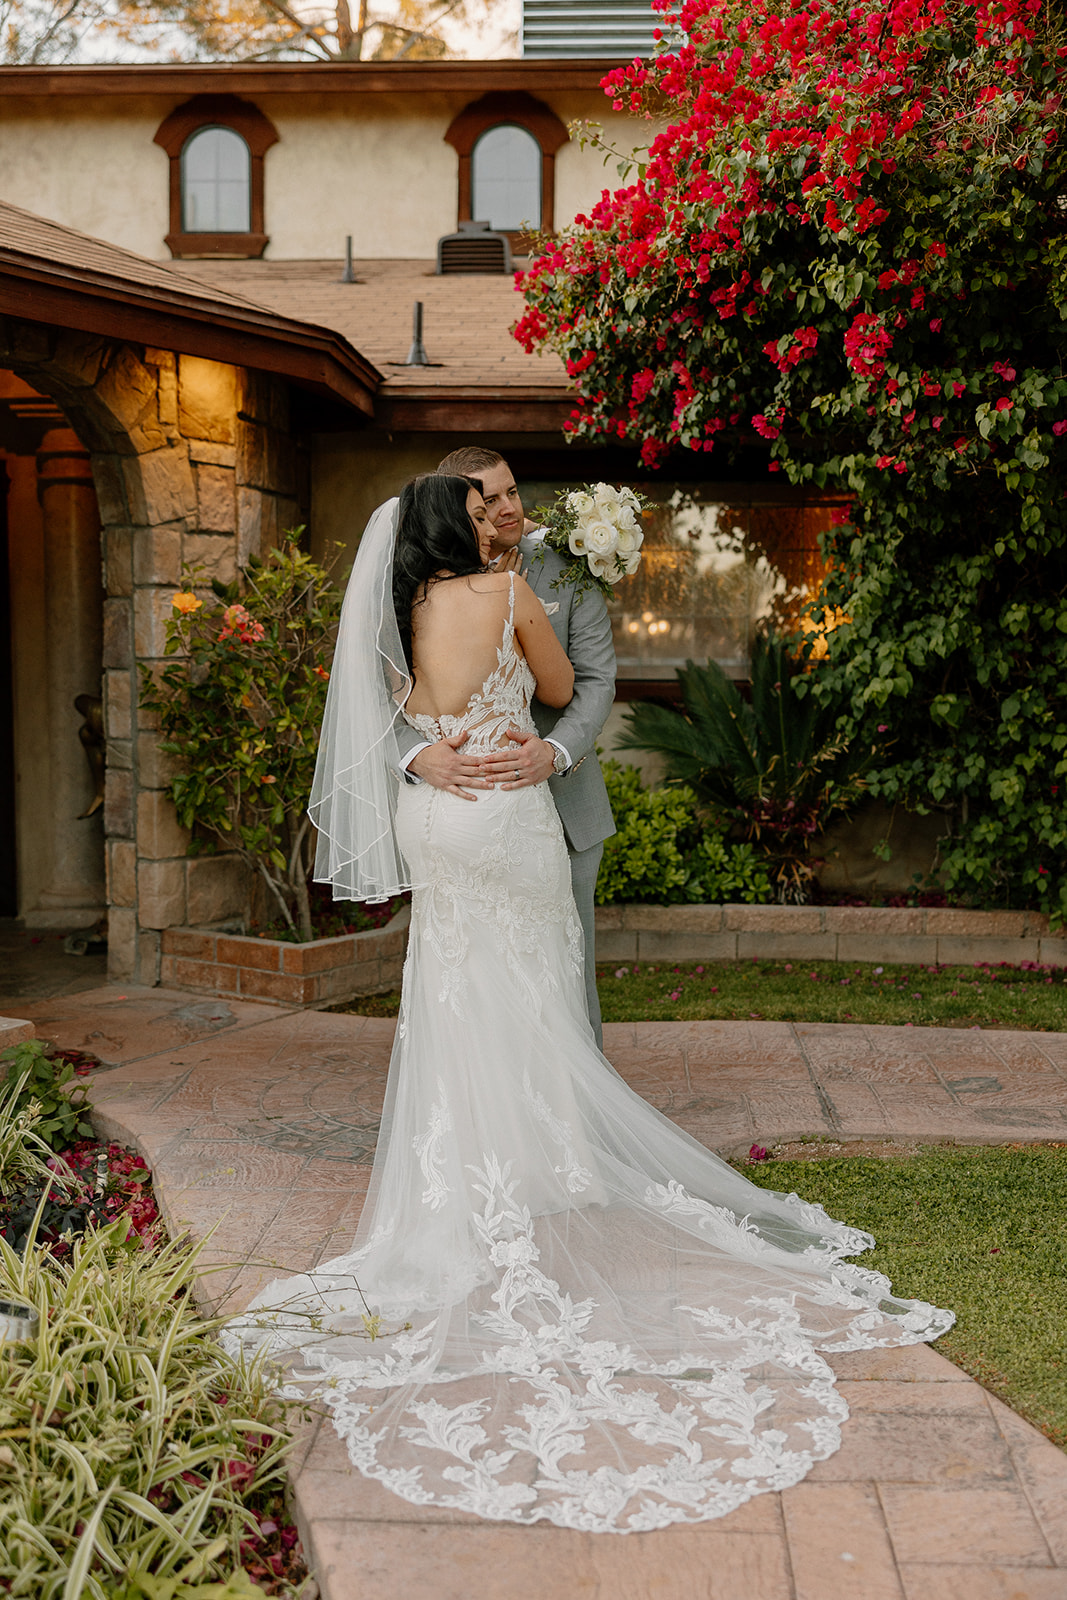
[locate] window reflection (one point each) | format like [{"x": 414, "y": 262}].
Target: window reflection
[
  {"x": 713, "y": 570},
  {"x": 506, "y": 179},
  {"x": 216, "y": 182}
]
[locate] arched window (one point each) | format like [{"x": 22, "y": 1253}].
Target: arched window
[
  {"x": 506, "y": 179},
  {"x": 216, "y": 182},
  {"x": 507, "y": 143},
  {"x": 216, "y": 144}
]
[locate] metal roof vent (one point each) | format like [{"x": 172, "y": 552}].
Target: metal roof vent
[
  {"x": 475, "y": 248},
  {"x": 597, "y": 28}
]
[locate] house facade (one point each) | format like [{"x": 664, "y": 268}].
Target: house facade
[{"x": 208, "y": 283}]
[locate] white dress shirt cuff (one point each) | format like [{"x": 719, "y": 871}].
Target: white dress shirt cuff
[{"x": 405, "y": 762}]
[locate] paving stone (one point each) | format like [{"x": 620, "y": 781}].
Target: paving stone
[
  {"x": 259, "y": 1121},
  {"x": 976, "y": 1526},
  {"x": 944, "y": 1448},
  {"x": 838, "y": 1544},
  {"x": 493, "y": 1561},
  {"x": 951, "y": 1582}
]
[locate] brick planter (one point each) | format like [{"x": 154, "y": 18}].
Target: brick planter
[
  {"x": 825, "y": 933},
  {"x": 319, "y": 973}
]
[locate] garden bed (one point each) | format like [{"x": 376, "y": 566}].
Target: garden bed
[
  {"x": 243, "y": 966},
  {"x": 932, "y": 935}
]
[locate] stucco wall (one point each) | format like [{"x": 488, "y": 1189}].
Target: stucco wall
[
  {"x": 376, "y": 167},
  {"x": 90, "y": 165}
]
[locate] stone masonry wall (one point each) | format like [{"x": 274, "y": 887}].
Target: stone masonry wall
[{"x": 193, "y": 465}]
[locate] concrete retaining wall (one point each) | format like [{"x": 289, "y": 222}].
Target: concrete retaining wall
[{"x": 825, "y": 933}]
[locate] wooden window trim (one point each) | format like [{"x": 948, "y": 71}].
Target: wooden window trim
[
  {"x": 522, "y": 111},
  {"x": 258, "y": 133}
]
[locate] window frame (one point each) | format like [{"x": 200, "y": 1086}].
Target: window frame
[
  {"x": 501, "y": 109},
  {"x": 258, "y": 132}
]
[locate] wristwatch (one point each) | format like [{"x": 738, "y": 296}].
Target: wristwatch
[{"x": 560, "y": 764}]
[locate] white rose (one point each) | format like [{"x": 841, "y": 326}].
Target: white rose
[
  {"x": 628, "y": 498},
  {"x": 576, "y": 541},
  {"x": 608, "y": 503},
  {"x": 632, "y": 562},
  {"x": 630, "y": 539},
  {"x": 626, "y": 518},
  {"x": 603, "y": 567},
  {"x": 601, "y": 538},
  {"x": 580, "y": 503}
]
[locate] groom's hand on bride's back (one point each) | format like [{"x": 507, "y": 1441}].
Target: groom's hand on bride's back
[{"x": 444, "y": 765}]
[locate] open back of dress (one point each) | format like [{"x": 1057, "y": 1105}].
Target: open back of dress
[{"x": 586, "y": 1316}]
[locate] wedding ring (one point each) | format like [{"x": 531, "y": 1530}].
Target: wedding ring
[{"x": 517, "y": 776}]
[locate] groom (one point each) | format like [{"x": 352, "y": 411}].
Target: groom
[{"x": 564, "y": 753}]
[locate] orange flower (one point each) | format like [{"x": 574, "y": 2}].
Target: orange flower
[
  {"x": 269, "y": 779},
  {"x": 186, "y": 603},
  {"x": 320, "y": 672}
]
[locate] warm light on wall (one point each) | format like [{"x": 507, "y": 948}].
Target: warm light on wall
[{"x": 832, "y": 617}]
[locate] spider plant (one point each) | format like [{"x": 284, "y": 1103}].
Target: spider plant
[
  {"x": 24, "y": 1154},
  {"x": 775, "y": 767},
  {"x": 129, "y": 1441}
]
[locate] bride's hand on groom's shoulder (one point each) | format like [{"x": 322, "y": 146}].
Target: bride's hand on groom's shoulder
[{"x": 446, "y": 766}]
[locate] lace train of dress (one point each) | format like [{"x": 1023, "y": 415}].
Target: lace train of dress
[{"x": 586, "y": 1316}]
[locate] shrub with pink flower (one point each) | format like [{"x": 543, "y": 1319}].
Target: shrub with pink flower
[{"x": 241, "y": 701}]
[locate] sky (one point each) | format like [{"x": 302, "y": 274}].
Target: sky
[{"x": 491, "y": 34}]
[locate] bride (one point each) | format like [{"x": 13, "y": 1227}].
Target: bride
[{"x": 557, "y": 1305}]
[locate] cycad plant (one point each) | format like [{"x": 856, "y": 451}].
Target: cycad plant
[{"x": 775, "y": 766}]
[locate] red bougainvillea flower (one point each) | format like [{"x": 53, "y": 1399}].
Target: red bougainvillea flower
[{"x": 1004, "y": 404}]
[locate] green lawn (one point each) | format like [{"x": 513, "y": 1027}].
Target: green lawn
[
  {"x": 818, "y": 991},
  {"x": 982, "y": 1230},
  {"x": 829, "y": 991}
]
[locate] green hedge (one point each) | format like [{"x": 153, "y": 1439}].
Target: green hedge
[{"x": 663, "y": 853}]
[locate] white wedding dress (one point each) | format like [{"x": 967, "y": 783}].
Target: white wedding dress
[{"x": 586, "y": 1317}]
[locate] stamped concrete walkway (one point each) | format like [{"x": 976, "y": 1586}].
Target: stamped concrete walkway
[{"x": 261, "y": 1123}]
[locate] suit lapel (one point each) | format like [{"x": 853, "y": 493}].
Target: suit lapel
[{"x": 539, "y": 578}]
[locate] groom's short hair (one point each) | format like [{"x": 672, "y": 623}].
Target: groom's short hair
[{"x": 470, "y": 460}]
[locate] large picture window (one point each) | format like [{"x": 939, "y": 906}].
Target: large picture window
[{"x": 718, "y": 562}]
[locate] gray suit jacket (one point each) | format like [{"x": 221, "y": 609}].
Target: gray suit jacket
[{"x": 583, "y": 629}]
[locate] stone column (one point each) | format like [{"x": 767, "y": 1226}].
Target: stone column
[{"x": 74, "y": 600}]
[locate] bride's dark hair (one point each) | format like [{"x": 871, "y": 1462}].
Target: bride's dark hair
[{"x": 435, "y": 534}]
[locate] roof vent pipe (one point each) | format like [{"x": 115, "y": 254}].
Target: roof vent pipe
[
  {"x": 348, "y": 275},
  {"x": 417, "y": 356}
]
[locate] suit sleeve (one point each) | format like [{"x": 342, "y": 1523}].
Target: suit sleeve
[
  {"x": 408, "y": 738},
  {"x": 592, "y": 654}
]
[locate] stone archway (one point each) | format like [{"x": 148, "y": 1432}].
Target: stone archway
[{"x": 192, "y": 465}]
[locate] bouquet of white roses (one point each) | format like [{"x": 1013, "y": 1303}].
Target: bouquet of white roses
[{"x": 599, "y": 528}]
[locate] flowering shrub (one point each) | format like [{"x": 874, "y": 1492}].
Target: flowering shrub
[
  {"x": 241, "y": 706},
  {"x": 852, "y": 243}
]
